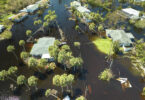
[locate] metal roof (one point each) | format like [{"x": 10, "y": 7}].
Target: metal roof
[
  {"x": 132, "y": 13},
  {"x": 82, "y": 9},
  {"x": 1, "y": 28},
  {"x": 41, "y": 47},
  {"x": 75, "y": 4}
]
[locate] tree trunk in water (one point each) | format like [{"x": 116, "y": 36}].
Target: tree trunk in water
[
  {"x": 55, "y": 96},
  {"x": 36, "y": 88},
  {"x": 67, "y": 87},
  {"x": 62, "y": 89},
  {"x": 24, "y": 48},
  {"x": 74, "y": 68},
  {"x": 38, "y": 69},
  {"x": 71, "y": 89},
  {"x": 27, "y": 86},
  {"x": 15, "y": 55},
  {"x": 12, "y": 79}
]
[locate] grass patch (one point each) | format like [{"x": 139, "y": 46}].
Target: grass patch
[{"x": 103, "y": 45}]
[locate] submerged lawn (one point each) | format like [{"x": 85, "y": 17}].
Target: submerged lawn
[{"x": 103, "y": 44}]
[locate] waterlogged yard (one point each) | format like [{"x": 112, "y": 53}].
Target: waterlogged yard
[{"x": 104, "y": 45}]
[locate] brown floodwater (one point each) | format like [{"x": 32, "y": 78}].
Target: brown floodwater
[{"x": 94, "y": 63}]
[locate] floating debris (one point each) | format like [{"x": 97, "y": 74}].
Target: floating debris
[
  {"x": 66, "y": 98},
  {"x": 124, "y": 82}
]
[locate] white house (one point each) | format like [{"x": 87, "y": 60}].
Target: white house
[
  {"x": 83, "y": 10},
  {"x": 30, "y": 8},
  {"x": 75, "y": 4},
  {"x": 132, "y": 13},
  {"x": 1, "y": 28}
]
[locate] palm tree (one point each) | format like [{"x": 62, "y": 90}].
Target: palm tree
[
  {"x": 143, "y": 91},
  {"x": 70, "y": 79},
  {"x": 53, "y": 51},
  {"x": 100, "y": 28},
  {"x": 77, "y": 44},
  {"x": 106, "y": 75},
  {"x": 66, "y": 47},
  {"x": 57, "y": 42},
  {"x": 22, "y": 43},
  {"x": 63, "y": 81},
  {"x": 49, "y": 92},
  {"x": 24, "y": 55},
  {"x": 56, "y": 80},
  {"x": 21, "y": 79},
  {"x": 4, "y": 75},
  {"x": 81, "y": 98},
  {"x": 12, "y": 70},
  {"x": 11, "y": 49},
  {"x": 76, "y": 62},
  {"x": 63, "y": 58},
  {"x": 28, "y": 33},
  {"x": 32, "y": 81},
  {"x": 52, "y": 66},
  {"x": 92, "y": 27},
  {"x": 42, "y": 63},
  {"x": 32, "y": 62}
]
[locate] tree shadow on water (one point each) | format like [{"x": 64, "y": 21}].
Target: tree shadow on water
[
  {"x": 82, "y": 74},
  {"x": 18, "y": 91},
  {"x": 77, "y": 93},
  {"x": 40, "y": 75},
  {"x": 37, "y": 94}
]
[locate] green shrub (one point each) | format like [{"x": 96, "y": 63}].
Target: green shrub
[{"x": 106, "y": 75}]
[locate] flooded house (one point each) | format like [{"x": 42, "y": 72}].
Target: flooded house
[
  {"x": 40, "y": 49},
  {"x": 19, "y": 17},
  {"x": 75, "y": 4},
  {"x": 125, "y": 39},
  {"x": 31, "y": 8},
  {"x": 139, "y": 0},
  {"x": 132, "y": 13},
  {"x": 1, "y": 28},
  {"x": 83, "y": 10}
]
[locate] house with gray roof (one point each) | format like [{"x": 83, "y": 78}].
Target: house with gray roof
[
  {"x": 125, "y": 39},
  {"x": 40, "y": 49},
  {"x": 83, "y": 10},
  {"x": 2, "y": 28}
]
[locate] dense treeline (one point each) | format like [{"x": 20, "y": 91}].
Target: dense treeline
[{"x": 15, "y": 5}]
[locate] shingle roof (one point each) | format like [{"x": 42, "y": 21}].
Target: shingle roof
[
  {"x": 41, "y": 47},
  {"x": 121, "y": 36}
]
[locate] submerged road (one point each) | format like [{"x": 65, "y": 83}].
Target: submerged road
[{"x": 94, "y": 63}]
